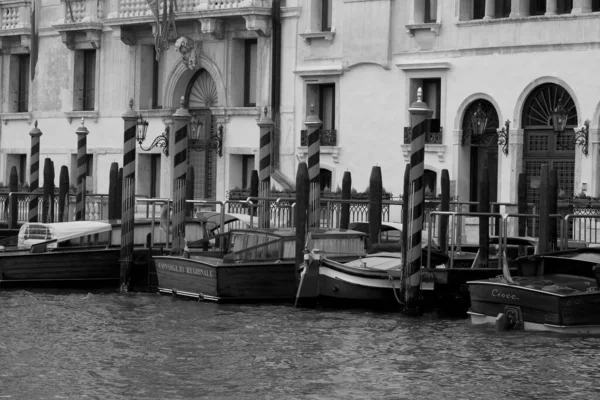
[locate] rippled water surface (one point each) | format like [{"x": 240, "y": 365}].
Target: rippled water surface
[{"x": 147, "y": 346}]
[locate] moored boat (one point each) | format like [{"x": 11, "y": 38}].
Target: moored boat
[
  {"x": 372, "y": 281},
  {"x": 60, "y": 252},
  {"x": 556, "y": 292},
  {"x": 249, "y": 264}
]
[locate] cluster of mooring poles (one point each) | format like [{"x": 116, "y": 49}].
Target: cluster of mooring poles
[
  {"x": 47, "y": 213},
  {"x": 308, "y": 211}
]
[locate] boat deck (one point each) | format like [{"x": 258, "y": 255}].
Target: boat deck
[{"x": 562, "y": 284}]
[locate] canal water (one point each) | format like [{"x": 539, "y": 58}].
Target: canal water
[{"x": 81, "y": 345}]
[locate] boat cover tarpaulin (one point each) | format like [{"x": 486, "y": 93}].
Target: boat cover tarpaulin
[{"x": 31, "y": 233}]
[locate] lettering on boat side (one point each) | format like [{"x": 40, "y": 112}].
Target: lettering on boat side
[
  {"x": 502, "y": 295},
  {"x": 184, "y": 270}
]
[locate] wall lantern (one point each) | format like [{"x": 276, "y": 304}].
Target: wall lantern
[
  {"x": 479, "y": 121},
  {"x": 559, "y": 123},
  {"x": 197, "y": 129},
  {"x": 559, "y": 118},
  {"x": 162, "y": 140}
]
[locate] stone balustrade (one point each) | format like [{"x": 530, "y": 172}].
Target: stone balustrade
[
  {"x": 140, "y": 8},
  {"x": 15, "y": 15}
]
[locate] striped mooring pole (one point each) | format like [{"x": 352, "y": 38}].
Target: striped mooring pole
[
  {"x": 181, "y": 119},
  {"x": 313, "y": 123},
  {"x": 264, "y": 169},
  {"x": 34, "y": 172},
  {"x": 419, "y": 114},
  {"x": 130, "y": 120},
  {"x": 82, "y": 133}
]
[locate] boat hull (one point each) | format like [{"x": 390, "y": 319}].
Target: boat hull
[
  {"x": 355, "y": 287},
  {"x": 73, "y": 265},
  {"x": 536, "y": 306},
  {"x": 207, "y": 278}
]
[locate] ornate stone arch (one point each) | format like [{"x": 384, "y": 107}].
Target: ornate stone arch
[
  {"x": 180, "y": 76},
  {"x": 522, "y": 99},
  {"x": 462, "y": 108}
]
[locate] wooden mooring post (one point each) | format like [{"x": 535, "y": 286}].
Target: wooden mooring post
[
  {"x": 264, "y": 173},
  {"x": 346, "y": 195},
  {"x": 420, "y": 125},
  {"x": 444, "y": 206},
  {"x": 375, "y": 205},
  {"x": 484, "y": 221},
  {"x": 301, "y": 210},
  {"x": 34, "y": 173},
  {"x": 113, "y": 181},
  {"x": 82, "y": 133},
  {"x": 63, "y": 194},
  {"x": 313, "y": 123},
  {"x": 13, "y": 201},
  {"x": 128, "y": 197}
]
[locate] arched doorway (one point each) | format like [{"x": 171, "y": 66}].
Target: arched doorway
[
  {"x": 541, "y": 145},
  {"x": 484, "y": 147},
  {"x": 200, "y": 95}
]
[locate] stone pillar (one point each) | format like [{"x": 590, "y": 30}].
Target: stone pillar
[
  {"x": 581, "y": 7},
  {"x": 519, "y": 8},
  {"x": 551, "y": 7},
  {"x": 490, "y": 9}
]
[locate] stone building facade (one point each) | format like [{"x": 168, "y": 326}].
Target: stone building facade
[{"x": 356, "y": 63}]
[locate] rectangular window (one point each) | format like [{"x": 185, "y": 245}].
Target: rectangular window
[
  {"x": 564, "y": 6},
  {"x": 537, "y": 7},
  {"x": 22, "y": 168},
  {"x": 595, "y": 5},
  {"x": 23, "y": 90},
  {"x": 430, "y": 15},
  {"x": 432, "y": 90},
  {"x": 84, "y": 80},
  {"x": 89, "y": 79},
  {"x": 326, "y": 10},
  {"x": 250, "y": 72},
  {"x": 327, "y": 106},
  {"x": 478, "y": 9},
  {"x": 502, "y": 9}
]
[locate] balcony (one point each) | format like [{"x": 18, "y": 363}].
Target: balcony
[
  {"x": 435, "y": 136},
  {"x": 433, "y": 141},
  {"x": 15, "y": 26},
  {"x": 328, "y": 139},
  {"x": 209, "y": 13},
  {"x": 81, "y": 25}
]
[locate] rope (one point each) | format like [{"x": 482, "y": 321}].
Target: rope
[{"x": 391, "y": 278}]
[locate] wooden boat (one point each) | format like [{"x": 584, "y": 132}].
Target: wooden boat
[
  {"x": 556, "y": 292},
  {"x": 249, "y": 264},
  {"x": 444, "y": 288},
  {"x": 79, "y": 252},
  {"x": 62, "y": 251},
  {"x": 371, "y": 281}
]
